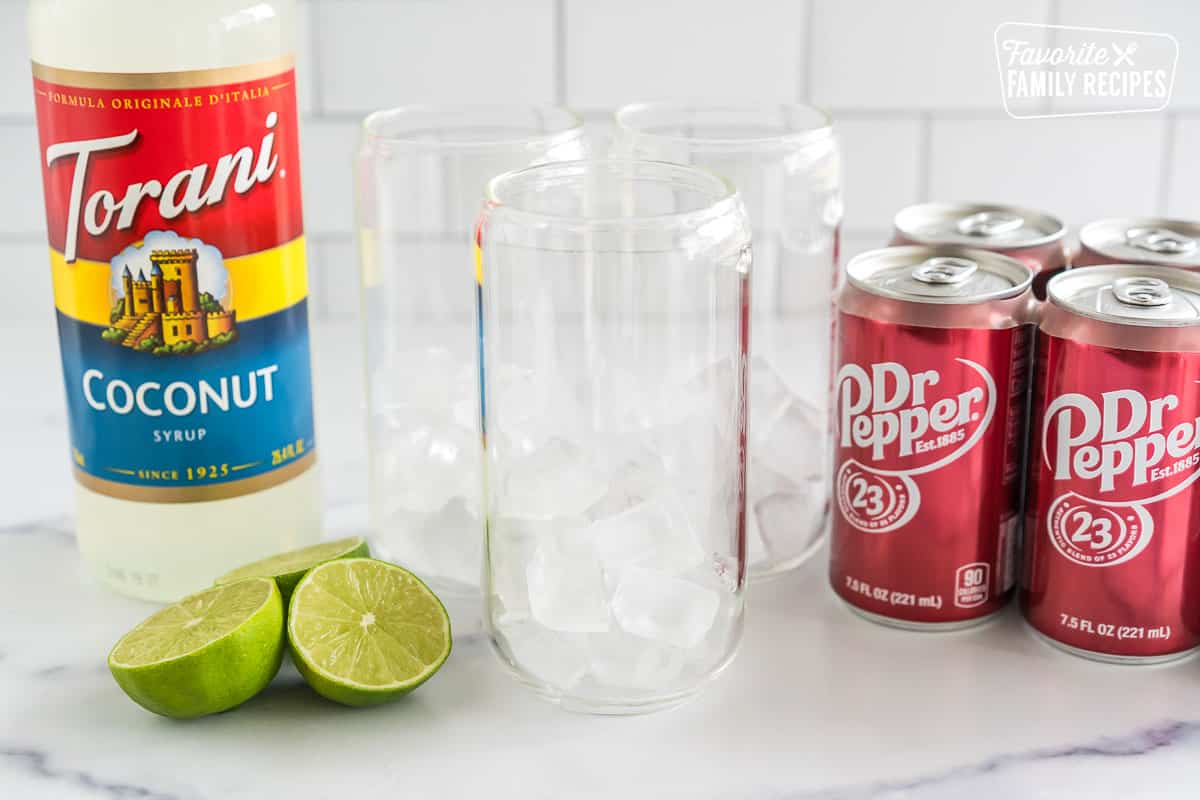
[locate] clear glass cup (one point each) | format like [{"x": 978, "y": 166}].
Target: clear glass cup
[
  {"x": 613, "y": 319},
  {"x": 785, "y": 163},
  {"x": 419, "y": 175}
]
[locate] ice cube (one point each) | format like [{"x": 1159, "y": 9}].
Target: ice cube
[
  {"x": 445, "y": 545},
  {"x": 617, "y": 401},
  {"x": 790, "y": 522},
  {"x": 517, "y": 392},
  {"x": 566, "y": 590},
  {"x": 424, "y": 466},
  {"x": 768, "y": 392},
  {"x": 465, "y": 408},
  {"x": 635, "y": 473},
  {"x": 512, "y": 546},
  {"x": 793, "y": 442},
  {"x": 559, "y": 660},
  {"x": 554, "y": 480},
  {"x": 680, "y": 401},
  {"x": 696, "y": 456},
  {"x": 528, "y": 406},
  {"x": 658, "y": 606},
  {"x": 620, "y": 660},
  {"x": 714, "y": 396},
  {"x": 762, "y": 481},
  {"x": 756, "y": 546},
  {"x": 657, "y": 533}
]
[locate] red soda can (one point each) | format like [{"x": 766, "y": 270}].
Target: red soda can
[
  {"x": 932, "y": 348},
  {"x": 1030, "y": 236},
  {"x": 1113, "y": 519},
  {"x": 1141, "y": 240}
]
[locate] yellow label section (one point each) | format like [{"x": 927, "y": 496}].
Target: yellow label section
[{"x": 261, "y": 284}]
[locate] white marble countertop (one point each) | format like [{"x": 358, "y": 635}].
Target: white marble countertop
[{"x": 818, "y": 703}]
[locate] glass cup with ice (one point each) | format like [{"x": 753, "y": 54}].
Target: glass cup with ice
[{"x": 613, "y": 322}]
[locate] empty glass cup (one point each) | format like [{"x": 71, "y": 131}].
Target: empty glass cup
[
  {"x": 785, "y": 163},
  {"x": 613, "y": 321},
  {"x": 420, "y": 173}
]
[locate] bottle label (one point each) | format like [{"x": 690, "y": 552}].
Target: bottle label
[{"x": 177, "y": 254}]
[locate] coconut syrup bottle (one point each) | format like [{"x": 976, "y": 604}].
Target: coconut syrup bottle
[{"x": 168, "y": 140}]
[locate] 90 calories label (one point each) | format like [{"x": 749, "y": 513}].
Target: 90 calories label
[
  {"x": 178, "y": 265},
  {"x": 928, "y": 428}
]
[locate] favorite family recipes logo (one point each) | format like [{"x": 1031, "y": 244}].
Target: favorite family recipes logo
[{"x": 1066, "y": 71}]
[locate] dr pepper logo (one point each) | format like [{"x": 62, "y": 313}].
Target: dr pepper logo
[
  {"x": 1119, "y": 452},
  {"x": 894, "y": 423}
]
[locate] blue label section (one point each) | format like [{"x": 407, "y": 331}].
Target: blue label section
[{"x": 190, "y": 420}]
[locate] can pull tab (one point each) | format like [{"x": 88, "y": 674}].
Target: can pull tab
[
  {"x": 990, "y": 223},
  {"x": 945, "y": 270},
  {"x": 1160, "y": 240},
  {"x": 1145, "y": 292}
]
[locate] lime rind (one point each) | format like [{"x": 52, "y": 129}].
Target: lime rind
[
  {"x": 409, "y": 628},
  {"x": 288, "y": 568},
  {"x": 166, "y": 666}
]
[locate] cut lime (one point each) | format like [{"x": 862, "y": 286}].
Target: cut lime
[
  {"x": 364, "y": 632},
  {"x": 207, "y": 653},
  {"x": 288, "y": 568}
]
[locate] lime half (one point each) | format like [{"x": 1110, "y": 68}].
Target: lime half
[
  {"x": 364, "y": 632},
  {"x": 288, "y": 568},
  {"x": 207, "y": 653}
]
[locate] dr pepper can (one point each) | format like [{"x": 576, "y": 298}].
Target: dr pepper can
[
  {"x": 1145, "y": 240},
  {"x": 1031, "y": 236},
  {"x": 1113, "y": 520},
  {"x": 932, "y": 351}
]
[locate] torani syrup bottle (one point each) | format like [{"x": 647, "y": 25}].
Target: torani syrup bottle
[{"x": 168, "y": 139}]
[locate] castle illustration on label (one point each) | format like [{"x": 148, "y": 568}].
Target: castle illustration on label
[{"x": 167, "y": 313}]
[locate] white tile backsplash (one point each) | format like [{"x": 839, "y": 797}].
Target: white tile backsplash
[
  {"x": 327, "y": 150},
  {"x": 306, "y": 66},
  {"x": 854, "y": 244},
  {"x": 621, "y": 51},
  {"x": 16, "y": 84},
  {"x": 21, "y": 209},
  {"x": 379, "y": 53},
  {"x": 1183, "y": 175},
  {"x": 31, "y": 297},
  {"x": 903, "y": 55},
  {"x": 914, "y": 88},
  {"x": 333, "y": 265},
  {"x": 1078, "y": 168},
  {"x": 1179, "y": 18},
  {"x": 881, "y": 172}
]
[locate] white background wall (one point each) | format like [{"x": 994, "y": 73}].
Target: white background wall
[{"x": 913, "y": 87}]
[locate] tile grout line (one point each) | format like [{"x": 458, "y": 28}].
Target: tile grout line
[
  {"x": 21, "y": 238},
  {"x": 848, "y": 113},
  {"x": 925, "y": 157},
  {"x": 805, "y": 64},
  {"x": 560, "y": 52},
  {"x": 1053, "y": 13},
  {"x": 314, "y": 59},
  {"x": 1166, "y": 160}
]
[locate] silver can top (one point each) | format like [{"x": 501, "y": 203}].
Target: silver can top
[
  {"x": 1129, "y": 294},
  {"x": 1172, "y": 242},
  {"x": 946, "y": 274},
  {"x": 986, "y": 225}
]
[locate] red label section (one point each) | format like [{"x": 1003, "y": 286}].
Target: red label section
[
  {"x": 219, "y": 163},
  {"x": 928, "y": 427},
  {"x": 1112, "y": 561}
]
